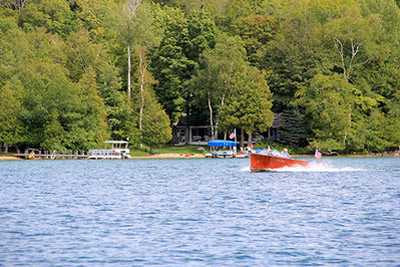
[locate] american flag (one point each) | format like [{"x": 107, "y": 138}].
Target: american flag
[
  {"x": 318, "y": 154},
  {"x": 233, "y": 134}
]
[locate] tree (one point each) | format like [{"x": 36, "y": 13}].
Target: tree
[
  {"x": 292, "y": 129},
  {"x": 11, "y": 127},
  {"x": 146, "y": 36},
  {"x": 126, "y": 25},
  {"x": 331, "y": 102},
  {"x": 54, "y": 15},
  {"x": 14, "y": 4},
  {"x": 82, "y": 54},
  {"x": 116, "y": 104},
  {"x": 8, "y": 21},
  {"x": 177, "y": 59},
  {"x": 351, "y": 39},
  {"x": 248, "y": 106},
  {"x": 93, "y": 111},
  {"x": 54, "y": 134},
  {"x": 156, "y": 124},
  {"x": 294, "y": 52},
  {"x": 213, "y": 81},
  {"x": 171, "y": 66},
  {"x": 256, "y": 31}
]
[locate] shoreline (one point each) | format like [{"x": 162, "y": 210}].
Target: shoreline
[{"x": 200, "y": 156}]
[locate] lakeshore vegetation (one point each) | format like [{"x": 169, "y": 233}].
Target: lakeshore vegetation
[{"x": 74, "y": 73}]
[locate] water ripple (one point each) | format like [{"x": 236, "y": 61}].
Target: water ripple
[{"x": 199, "y": 212}]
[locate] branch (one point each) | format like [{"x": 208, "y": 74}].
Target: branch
[{"x": 341, "y": 53}]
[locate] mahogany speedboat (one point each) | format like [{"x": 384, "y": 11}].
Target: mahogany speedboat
[{"x": 264, "y": 162}]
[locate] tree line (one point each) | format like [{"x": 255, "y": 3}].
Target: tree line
[{"x": 74, "y": 73}]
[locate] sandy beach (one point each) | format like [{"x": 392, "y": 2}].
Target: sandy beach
[{"x": 9, "y": 158}]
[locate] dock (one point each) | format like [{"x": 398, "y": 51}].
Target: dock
[{"x": 54, "y": 155}]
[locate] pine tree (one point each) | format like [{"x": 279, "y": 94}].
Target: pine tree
[{"x": 292, "y": 129}]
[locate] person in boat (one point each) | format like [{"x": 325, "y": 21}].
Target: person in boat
[{"x": 285, "y": 154}]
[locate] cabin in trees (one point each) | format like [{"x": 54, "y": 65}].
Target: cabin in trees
[{"x": 192, "y": 135}]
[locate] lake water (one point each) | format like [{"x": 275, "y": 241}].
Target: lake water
[{"x": 199, "y": 212}]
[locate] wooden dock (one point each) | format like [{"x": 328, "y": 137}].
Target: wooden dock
[{"x": 54, "y": 155}]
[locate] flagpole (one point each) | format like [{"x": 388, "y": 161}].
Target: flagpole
[{"x": 236, "y": 142}]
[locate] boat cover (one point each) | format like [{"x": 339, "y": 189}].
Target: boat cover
[{"x": 221, "y": 143}]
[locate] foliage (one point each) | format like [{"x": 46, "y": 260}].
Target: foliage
[
  {"x": 292, "y": 128},
  {"x": 177, "y": 59},
  {"x": 156, "y": 125},
  {"x": 256, "y": 31},
  {"x": 67, "y": 71},
  {"x": 54, "y": 134},
  {"x": 11, "y": 127},
  {"x": 248, "y": 106},
  {"x": 210, "y": 86}
]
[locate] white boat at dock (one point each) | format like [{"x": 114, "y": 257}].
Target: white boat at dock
[
  {"x": 112, "y": 150},
  {"x": 222, "y": 149}
]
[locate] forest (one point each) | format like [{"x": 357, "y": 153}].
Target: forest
[{"x": 74, "y": 73}]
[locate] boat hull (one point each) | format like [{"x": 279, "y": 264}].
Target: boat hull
[{"x": 263, "y": 162}]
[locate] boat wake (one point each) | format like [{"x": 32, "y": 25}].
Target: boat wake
[
  {"x": 312, "y": 167},
  {"x": 318, "y": 167}
]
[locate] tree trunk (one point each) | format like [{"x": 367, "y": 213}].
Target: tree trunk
[
  {"x": 129, "y": 72},
  {"x": 141, "y": 51},
  {"x": 241, "y": 138},
  {"x": 187, "y": 135},
  {"x": 249, "y": 140},
  {"x": 6, "y": 149},
  {"x": 346, "y": 133},
  {"x": 216, "y": 121},
  {"x": 211, "y": 114},
  {"x": 15, "y": 4},
  {"x": 142, "y": 104}
]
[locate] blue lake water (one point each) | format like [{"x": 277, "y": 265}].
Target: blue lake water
[{"x": 199, "y": 212}]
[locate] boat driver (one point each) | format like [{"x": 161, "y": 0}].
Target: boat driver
[{"x": 285, "y": 154}]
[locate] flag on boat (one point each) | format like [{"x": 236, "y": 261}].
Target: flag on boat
[
  {"x": 318, "y": 154},
  {"x": 233, "y": 134}
]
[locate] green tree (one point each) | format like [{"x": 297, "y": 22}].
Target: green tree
[
  {"x": 8, "y": 20},
  {"x": 147, "y": 36},
  {"x": 53, "y": 134},
  {"x": 11, "y": 127},
  {"x": 13, "y": 4},
  {"x": 54, "y": 15},
  {"x": 93, "y": 112},
  {"x": 125, "y": 22},
  {"x": 116, "y": 103},
  {"x": 256, "y": 31},
  {"x": 81, "y": 54},
  {"x": 294, "y": 53},
  {"x": 332, "y": 104},
  {"x": 248, "y": 106},
  {"x": 156, "y": 124},
  {"x": 292, "y": 129},
  {"x": 177, "y": 58},
  {"x": 212, "y": 83}
]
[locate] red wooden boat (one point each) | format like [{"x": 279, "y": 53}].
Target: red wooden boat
[{"x": 264, "y": 162}]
